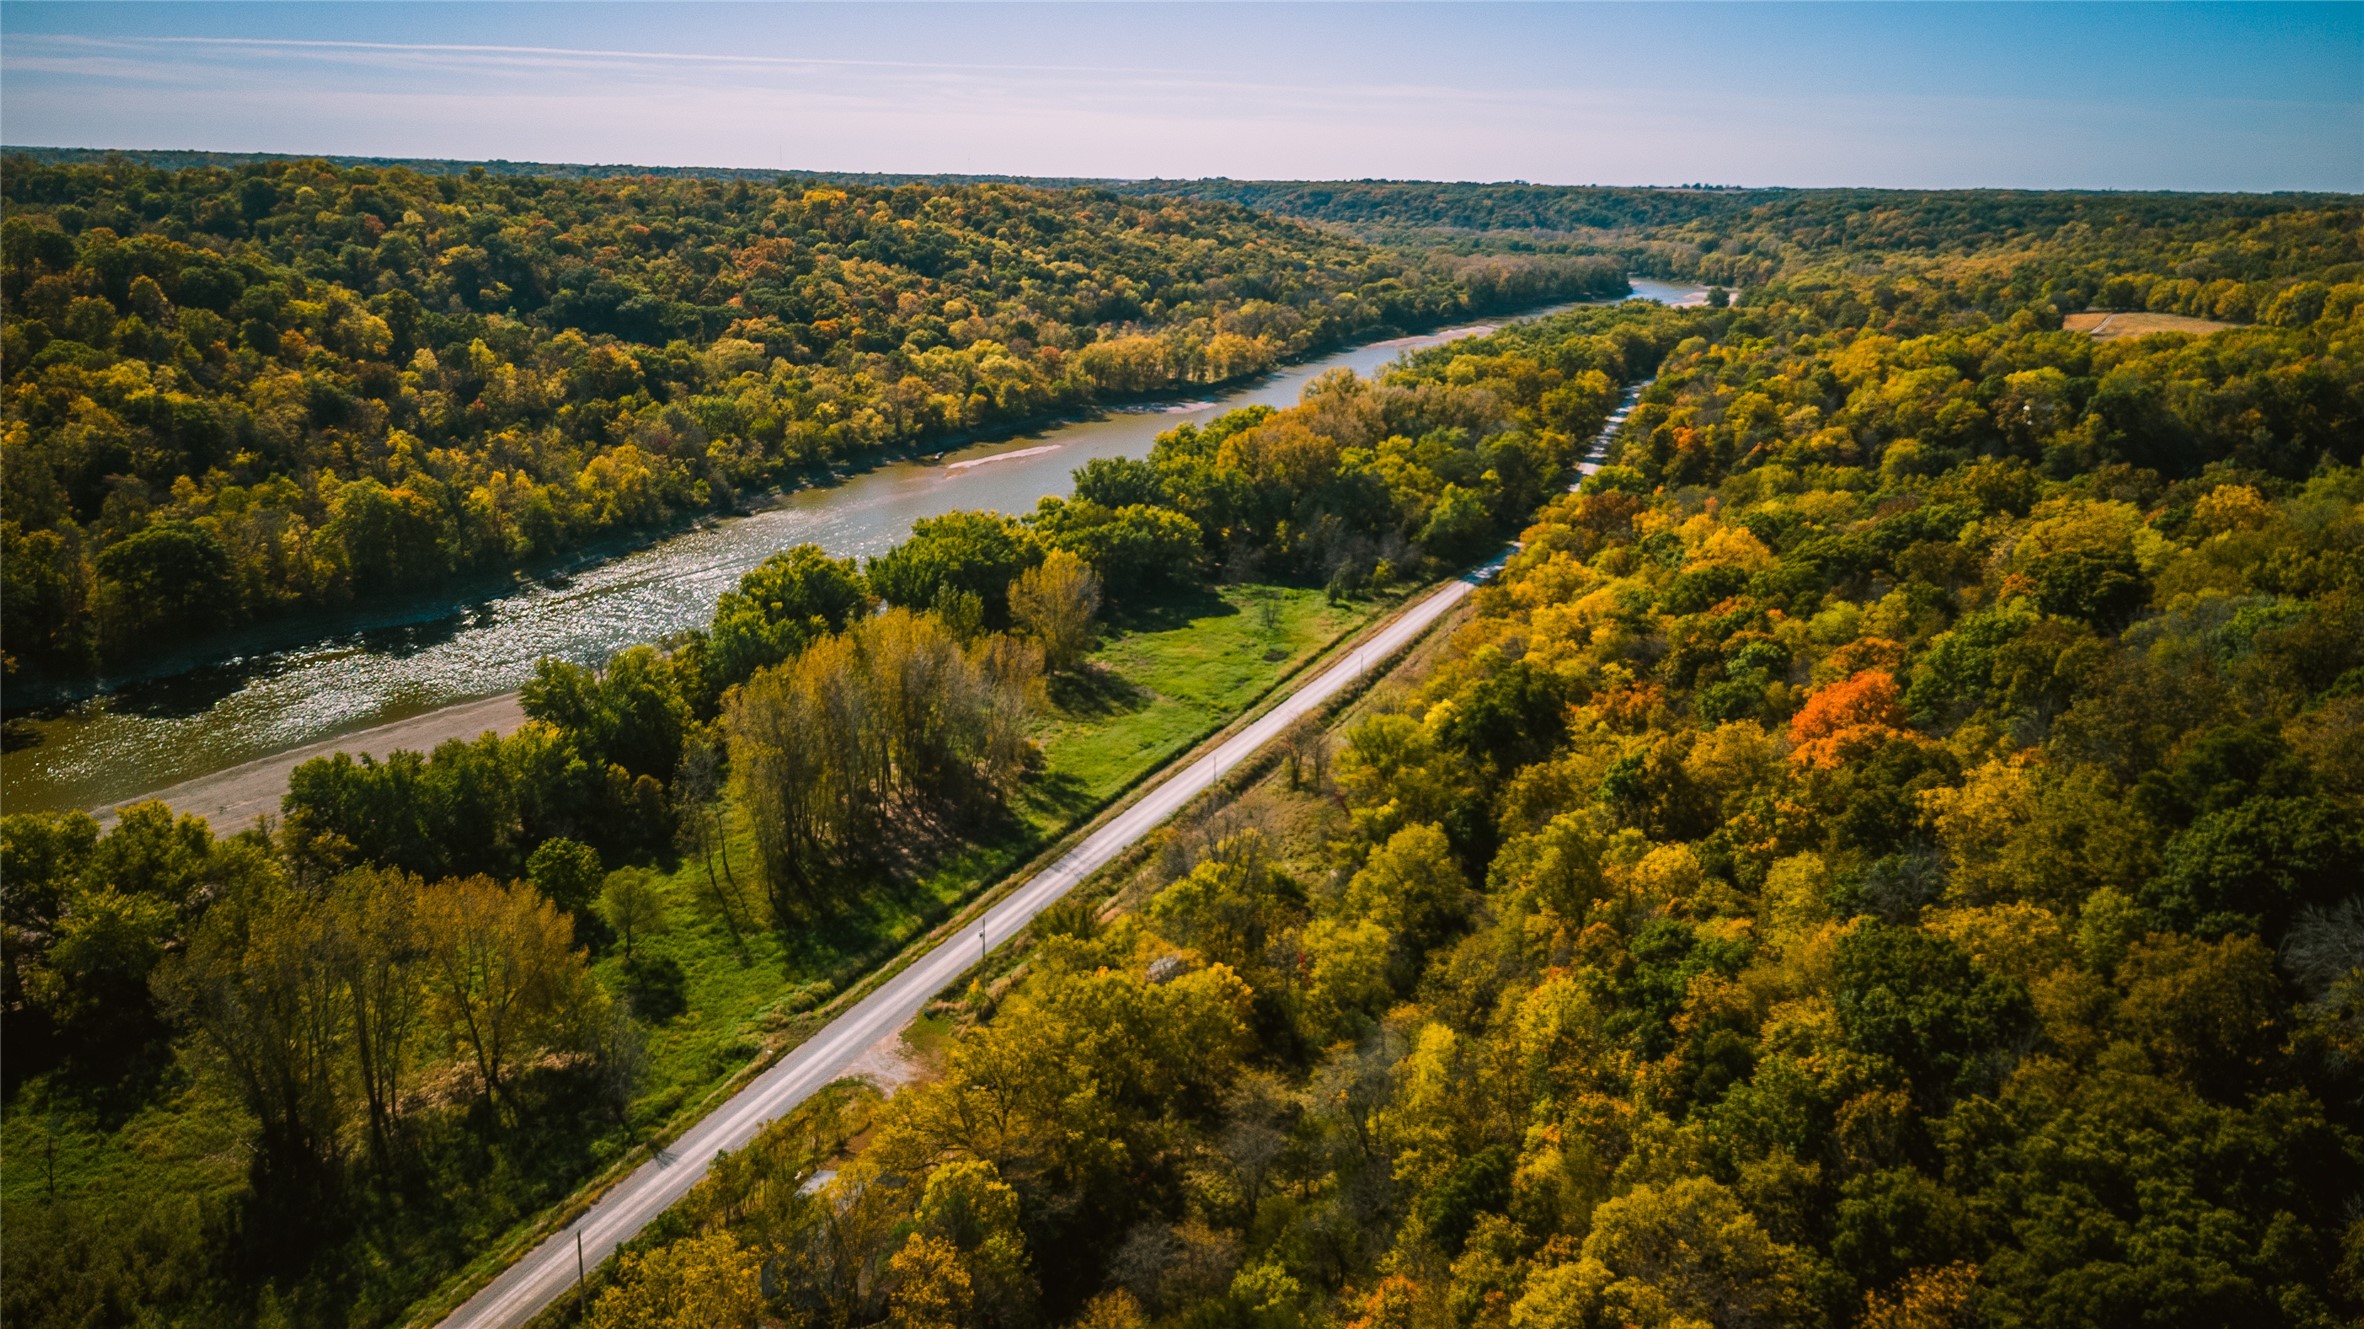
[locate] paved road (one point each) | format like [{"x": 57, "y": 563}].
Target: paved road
[
  {"x": 1600, "y": 445},
  {"x": 549, "y": 1270}
]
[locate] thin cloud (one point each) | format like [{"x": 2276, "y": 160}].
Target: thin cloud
[
  {"x": 1873, "y": 116},
  {"x": 1254, "y": 99},
  {"x": 683, "y": 57}
]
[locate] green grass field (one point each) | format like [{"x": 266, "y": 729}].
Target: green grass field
[
  {"x": 1180, "y": 672},
  {"x": 169, "y": 1162}
]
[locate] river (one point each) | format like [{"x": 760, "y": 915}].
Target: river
[{"x": 238, "y": 713}]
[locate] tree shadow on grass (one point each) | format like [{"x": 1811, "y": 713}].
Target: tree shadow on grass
[
  {"x": 1167, "y": 610},
  {"x": 1096, "y": 692},
  {"x": 1060, "y": 793},
  {"x": 111, "y": 1074},
  {"x": 874, "y": 908},
  {"x": 462, "y": 1176}
]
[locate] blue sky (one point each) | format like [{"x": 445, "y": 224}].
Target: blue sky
[{"x": 2125, "y": 96}]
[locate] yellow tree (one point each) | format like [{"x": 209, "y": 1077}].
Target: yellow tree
[
  {"x": 375, "y": 942},
  {"x": 1056, "y": 600},
  {"x": 1934, "y": 1298},
  {"x": 967, "y": 1204},
  {"x": 1411, "y": 886},
  {"x": 704, "y": 1282},
  {"x": 503, "y": 975},
  {"x": 931, "y": 1285},
  {"x": 1673, "y": 1256},
  {"x": 892, "y": 717}
]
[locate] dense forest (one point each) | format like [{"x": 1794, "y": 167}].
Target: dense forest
[
  {"x": 1886, "y": 853},
  {"x": 237, "y": 393},
  {"x": 2222, "y": 256},
  {"x": 385, "y": 1003}
]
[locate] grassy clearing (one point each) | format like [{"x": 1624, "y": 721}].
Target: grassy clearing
[
  {"x": 2111, "y": 327},
  {"x": 1165, "y": 678}
]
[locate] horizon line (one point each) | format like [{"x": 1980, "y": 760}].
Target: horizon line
[{"x": 244, "y": 156}]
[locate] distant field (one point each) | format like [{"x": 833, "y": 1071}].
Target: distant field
[{"x": 2110, "y": 327}]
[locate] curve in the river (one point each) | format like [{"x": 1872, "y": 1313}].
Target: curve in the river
[{"x": 218, "y": 740}]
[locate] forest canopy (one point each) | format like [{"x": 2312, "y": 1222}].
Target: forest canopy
[
  {"x": 1885, "y": 854},
  {"x": 306, "y": 994},
  {"x": 234, "y": 393}
]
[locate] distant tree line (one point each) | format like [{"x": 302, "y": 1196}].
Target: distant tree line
[
  {"x": 2240, "y": 258},
  {"x": 235, "y": 393}
]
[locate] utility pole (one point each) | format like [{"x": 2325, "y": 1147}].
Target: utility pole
[{"x": 582, "y": 1283}]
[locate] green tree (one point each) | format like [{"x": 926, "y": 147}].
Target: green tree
[
  {"x": 1917, "y": 1000},
  {"x": 1118, "y": 482},
  {"x": 1461, "y": 525},
  {"x": 1135, "y": 548},
  {"x": 976, "y": 553},
  {"x": 151, "y": 851},
  {"x": 258, "y": 983},
  {"x": 789, "y": 599},
  {"x": 2253, "y": 865},
  {"x": 92, "y": 977},
  {"x": 44, "y": 600},
  {"x": 42, "y": 856},
  {"x": 171, "y": 578},
  {"x": 566, "y": 872},
  {"x": 632, "y": 906},
  {"x": 1895, "y": 1220},
  {"x": 628, "y": 713}
]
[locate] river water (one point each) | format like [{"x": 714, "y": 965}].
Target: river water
[{"x": 147, "y": 735}]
